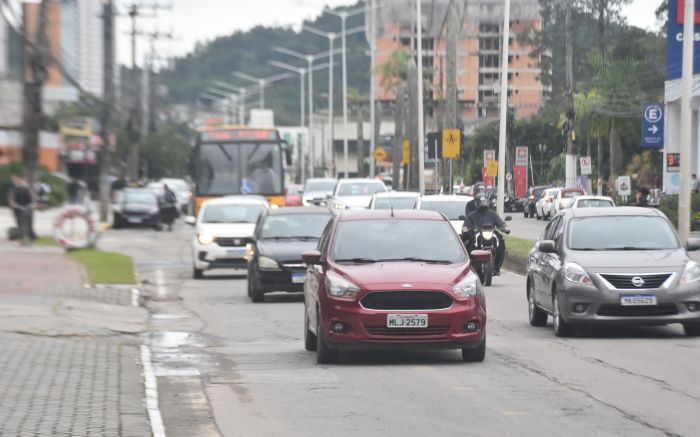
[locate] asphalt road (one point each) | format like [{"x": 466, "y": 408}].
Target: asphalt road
[{"x": 228, "y": 367}]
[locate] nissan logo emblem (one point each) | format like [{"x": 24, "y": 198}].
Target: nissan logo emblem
[
  {"x": 406, "y": 285},
  {"x": 637, "y": 281}
]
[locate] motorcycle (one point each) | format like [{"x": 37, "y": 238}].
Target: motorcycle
[
  {"x": 482, "y": 245},
  {"x": 169, "y": 212}
]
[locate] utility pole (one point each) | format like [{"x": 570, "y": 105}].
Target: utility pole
[
  {"x": 505, "y": 46},
  {"x": 374, "y": 123},
  {"x": 570, "y": 113},
  {"x": 398, "y": 136},
  {"x": 411, "y": 127},
  {"x": 105, "y": 120},
  {"x": 421, "y": 119},
  {"x": 686, "y": 120},
  {"x": 34, "y": 76},
  {"x": 451, "y": 71}
]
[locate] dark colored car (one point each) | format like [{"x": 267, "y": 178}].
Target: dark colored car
[
  {"x": 533, "y": 195},
  {"x": 623, "y": 266},
  {"x": 381, "y": 279},
  {"x": 275, "y": 256},
  {"x": 136, "y": 207}
]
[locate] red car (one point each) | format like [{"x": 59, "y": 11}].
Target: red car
[
  {"x": 401, "y": 279},
  {"x": 292, "y": 195}
]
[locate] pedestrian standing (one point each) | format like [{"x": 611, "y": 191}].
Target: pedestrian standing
[
  {"x": 695, "y": 184},
  {"x": 21, "y": 199}
]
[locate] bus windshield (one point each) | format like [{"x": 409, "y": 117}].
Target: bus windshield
[{"x": 239, "y": 168}]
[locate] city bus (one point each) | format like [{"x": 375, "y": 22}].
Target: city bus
[{"x": 231, "y": 160}]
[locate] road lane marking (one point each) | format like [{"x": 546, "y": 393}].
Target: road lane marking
[
  {"x": 135, "y": 297},
  {"x": 151, "y": 384},
  {"x": 160, "y": 283}
]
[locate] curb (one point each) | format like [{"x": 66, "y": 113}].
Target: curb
[{"x": 515, "y": 263}]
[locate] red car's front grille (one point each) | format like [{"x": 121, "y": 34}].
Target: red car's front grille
[{"x": 430, "y": 331}]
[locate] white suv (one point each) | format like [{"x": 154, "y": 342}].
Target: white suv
[{"x": 223, "y": 228}]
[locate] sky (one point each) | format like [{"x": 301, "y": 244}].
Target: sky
[{"x": 193, "y": 21}]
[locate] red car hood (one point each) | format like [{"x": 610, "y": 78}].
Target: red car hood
[{"x": 394, "y": 275}]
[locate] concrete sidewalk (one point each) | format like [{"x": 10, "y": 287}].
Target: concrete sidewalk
[{"x": 70, "y": 354}]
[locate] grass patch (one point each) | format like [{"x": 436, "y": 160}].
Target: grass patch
[
  {"x": 106, "y": 267},
  {"x": 45, "y": 242},
  {"x": 518, "y": 247}
]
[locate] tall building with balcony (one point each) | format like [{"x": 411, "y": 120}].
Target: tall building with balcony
[{"x": 479, "y": 53}]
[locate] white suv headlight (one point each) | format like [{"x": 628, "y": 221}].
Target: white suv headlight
[
  {"x": 205, "y": 239},
  {"x": 267, "y": 263},
  {"x": 339, "y": 287},
  {"x": 691, "y": 273},
  {"x": 469, "y": 286},
  {"x": 575, "y": 273}
]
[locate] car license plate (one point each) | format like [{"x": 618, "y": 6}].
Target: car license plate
[
  {"x": 407, "y": 321},
  {"x": 637, "y": 299},
  {"x": 298, "y": 278},
  {"x": 236, "y": 252},
  {"x": 135, "y": 220}
]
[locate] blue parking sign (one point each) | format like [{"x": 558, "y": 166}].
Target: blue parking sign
[{"x": 653, "y": 125}]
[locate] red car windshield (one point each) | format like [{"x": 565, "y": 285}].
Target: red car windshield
[{"x": 397, "y": 239}]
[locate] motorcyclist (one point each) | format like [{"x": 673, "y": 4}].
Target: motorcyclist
[
  {"x": 168, "y": 206},
  {"x": 471, "y": 205},
  {"x": 484, "y": 216}
]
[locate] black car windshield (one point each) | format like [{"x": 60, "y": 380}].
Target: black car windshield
[
  {"x": 395, "y": 202},
  {"x": 397, "y": 239},
  {"x": 360, "y": 188},
  {"x": 312, "y": 186},
  {"x": 140, "y": 198},
  {"x": 290, "y": 226},
  {"x": 231, "y": 213},
  {"x": 451, "y": 209},
  {"x": 621, "y": 233}
]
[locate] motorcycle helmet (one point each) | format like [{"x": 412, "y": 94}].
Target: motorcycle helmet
[{"x": 482, "y": 202}]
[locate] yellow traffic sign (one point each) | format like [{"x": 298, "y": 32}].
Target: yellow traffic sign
[
  {"x": 406, "y": 158},
  {"x": 492, "y": 169},
  {"x": 451, "y": 143},
  {"x": 380, "y": 154}
]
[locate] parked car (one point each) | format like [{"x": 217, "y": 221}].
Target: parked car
[
  {"x": 394, "y": 199},
  {"x": 317, "y": 190},
  {"x": 223, "y": 229},
  {"x": 591, "y": 202},
  {"x": 543, "y": 207},
  {"x": 400, "y": 279},
  {"x": 451, "y": 206},
  {"x": 562, "y": 197},
  {"x": 136, "y": 207},
  {"x": 355, "y": 193},
  {"x": 533, "y": 195},
  {"x": 292, "y": 195},
  {"x": 612, "y": 266},
  {"x": 274, "y": 256}
]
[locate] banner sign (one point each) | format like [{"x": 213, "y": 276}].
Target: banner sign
[
  {"x": 520, "y": 178},
  {"x": 521, "y": 156},
  {"x": 674, "y": 52}
]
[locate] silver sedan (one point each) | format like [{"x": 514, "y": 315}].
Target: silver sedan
[{"x": 613, "y": 266}]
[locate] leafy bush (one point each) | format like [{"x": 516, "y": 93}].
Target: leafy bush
[
  {"x": 669, "y": 206},
  {"x": 58, "y": 185}
]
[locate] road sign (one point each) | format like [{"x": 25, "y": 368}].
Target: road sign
[
  {"x": 406, "y": 157},
  {"x": 624, "y": 186},
  {"x": 586, "y": 167},
  {"x": 380, "y": 154},
  {"x": 653, "y": 125},
  {"x": 521, "y": 156},
  {"x": 509, "y": 177},
  {"x": 451, "y": 143},
  {"x": 489, "y": 155},
  {"x": 492, "y": 169}
]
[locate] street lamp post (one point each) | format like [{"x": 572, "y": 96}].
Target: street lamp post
[
  {"x": 310, "y": 59},
  {"x": 504, "y": 109},
  {"x": 421, "y": 133},
  {"x": 344, "y": 15}
]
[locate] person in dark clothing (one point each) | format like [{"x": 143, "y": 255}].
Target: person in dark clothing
[
  {"x": 471, "y": 205},
  {"x": 168, "y": 206},
  {"x": 21, "y": 199},
  {"x": 643, "y": 196},
  {"x": 484, "y": 216}
]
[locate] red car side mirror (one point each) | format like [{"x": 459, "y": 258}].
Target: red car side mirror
[
  {"x": 480, "y": 256},
  {"x": 312, "y": 257}
]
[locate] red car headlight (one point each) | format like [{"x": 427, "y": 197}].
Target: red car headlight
[
  {"x": 469, "y": 286},
  {"x": 340, "y": 288}
]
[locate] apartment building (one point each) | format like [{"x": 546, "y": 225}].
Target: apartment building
[{"x": 478, "y": 50}]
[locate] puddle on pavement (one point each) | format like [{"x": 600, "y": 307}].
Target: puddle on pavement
[{"x": 179, "y": 354}]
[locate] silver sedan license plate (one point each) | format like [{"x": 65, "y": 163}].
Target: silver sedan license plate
[
  {"x": 406, "y": 320},
  {"x": 637, "y": 299}
]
